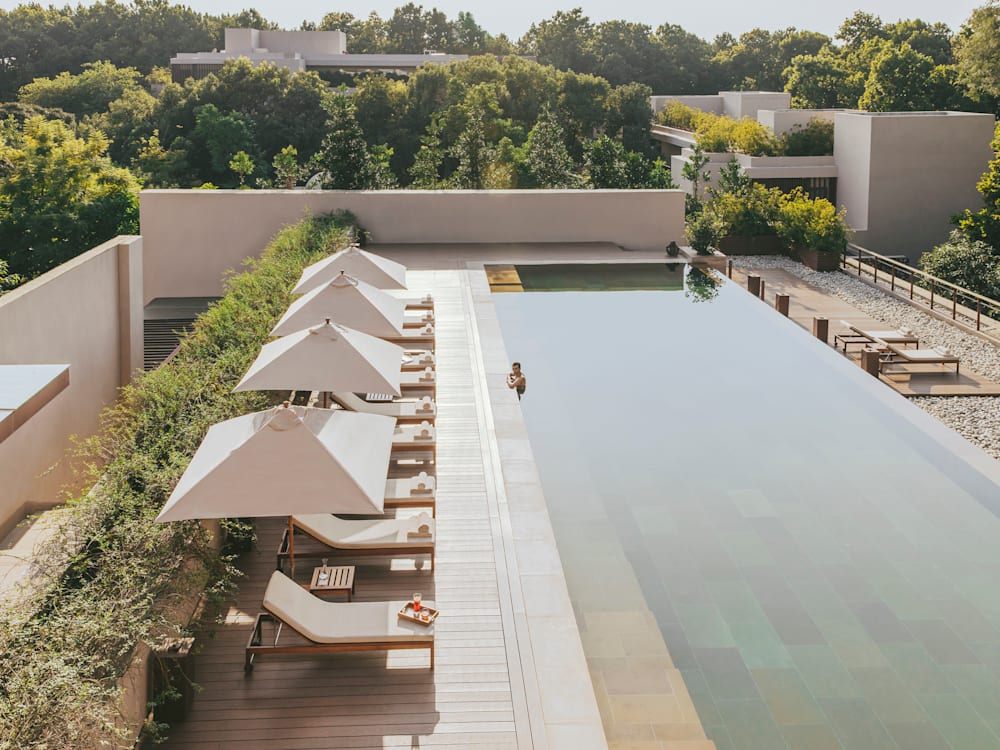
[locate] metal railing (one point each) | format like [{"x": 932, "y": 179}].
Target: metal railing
[{"x": 923, "y": 288}]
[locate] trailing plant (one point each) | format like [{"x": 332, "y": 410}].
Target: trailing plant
[{"x": 113, "y": 578}]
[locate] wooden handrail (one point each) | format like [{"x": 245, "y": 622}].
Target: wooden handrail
[{"x": 936, "y": 286}]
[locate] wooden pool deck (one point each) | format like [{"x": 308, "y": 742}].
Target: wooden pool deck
[{"x": 510, "y": 671}]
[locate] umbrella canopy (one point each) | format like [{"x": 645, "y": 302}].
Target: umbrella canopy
[
  {"x": 378, "y": 271},
  {"x": 290, "y": 459},
  {"x": 349, "y": 301},
  {"x": 327, "y": 357}
]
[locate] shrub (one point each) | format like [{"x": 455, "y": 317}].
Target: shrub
[
  {"x": 815, "y": 223},
  {"x": 704, "y": 230},
  {"x": 749, "y": 214},
  {"x": 677, "y": 115},
  {"x": 118, "y": 576},
  {"x": 966, "y": 262},
  {"x": 815, "y": 139}
]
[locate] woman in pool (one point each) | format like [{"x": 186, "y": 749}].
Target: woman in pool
[{"x": 516, "y": 379}]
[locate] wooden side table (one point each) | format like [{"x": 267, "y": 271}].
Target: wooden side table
[{"x": 341, "y": 581}]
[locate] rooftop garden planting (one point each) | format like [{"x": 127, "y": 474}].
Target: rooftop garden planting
[
  {"x": 114, "y": 578},
  {"x": 724, "y": 134}
]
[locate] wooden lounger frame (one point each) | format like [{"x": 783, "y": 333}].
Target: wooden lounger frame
[
  {"x": 256, "y": 645},
  {"x": 284, "y": 554}
]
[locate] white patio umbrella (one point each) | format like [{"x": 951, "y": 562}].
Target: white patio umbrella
[
  {"x": 286, "y": 460},
  {"x": 349, "y": 301},
  {"x": 374, "y": 269},
  {"x": 327, "y": 357}
]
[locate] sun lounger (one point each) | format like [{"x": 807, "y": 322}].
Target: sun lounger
[
  {"x": 899, "y": 355},
  {"x": 855, "y": 335},
  {"x": 417, "y": 318},
  {"x": 332, "y": 627},
  {"x": 375, "y": 536},
  {"x": 414, "y": 360},
  {"x": 419, "y": 410},
  {"x": 412, "y": 492},
  {"x": 422, "y": 337}
]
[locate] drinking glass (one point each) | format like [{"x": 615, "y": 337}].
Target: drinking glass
[{"x": 416, "y": 602}]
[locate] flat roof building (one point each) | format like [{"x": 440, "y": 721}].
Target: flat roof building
[
  {"x": 900, "y": 176},
  {"x": 322, "y": 51}
]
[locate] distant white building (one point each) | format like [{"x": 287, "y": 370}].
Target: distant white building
[
  {"x": 297, "y": 51},
  {"x": 901, "y": 176}
]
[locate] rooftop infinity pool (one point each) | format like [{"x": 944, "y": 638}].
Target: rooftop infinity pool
[{"x": 821, "y": 559}]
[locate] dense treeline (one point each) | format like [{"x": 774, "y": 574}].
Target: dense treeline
[{"x": 90, "y": 107}]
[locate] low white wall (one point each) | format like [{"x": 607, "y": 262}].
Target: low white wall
[
  {"x": 705, "y": 102},
  {"x": 739, "y": 104},
  {"x": 191, "y": 237},
  {"x": 780, "y": 121},
  {"x": 86, "y": 313}
]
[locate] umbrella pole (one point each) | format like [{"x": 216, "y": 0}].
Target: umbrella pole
[{"x": 291, "y": 545}]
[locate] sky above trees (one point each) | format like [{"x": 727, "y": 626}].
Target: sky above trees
[{"x": 706, "y": 18}]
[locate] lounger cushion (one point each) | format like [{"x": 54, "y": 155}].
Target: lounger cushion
[
  {"x": 391, "y": 534},
  {"x": 422, "y": 484},
  {"x": 340, "y": 622}
]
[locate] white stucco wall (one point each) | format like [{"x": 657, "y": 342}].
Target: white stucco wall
[
  {"x": 903, "y": 175},
  {"x": 739, "y": 104},
  {"x": 72, "y": 315},
  {"x": 705, "y": 102},
  {"x": 780, "y": 121},
  {"x": 191, "y": 237}
]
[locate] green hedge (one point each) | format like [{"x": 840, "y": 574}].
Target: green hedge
[{"x": 63, "y": 649}]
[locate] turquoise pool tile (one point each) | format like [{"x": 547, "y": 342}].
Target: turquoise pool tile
[
  {"x": 967, "y": 621},
  {"x": 719, "y": 734},
  {"x": 704, "y": 626},
  {"x": 851, "y": 642},
  {"x": 746, "y": 548},
  {"x": 920, "y": 735},
  {"x": 810, "y": 737},
  {"x": 759, "y": 645},
  {"x": 787, "y": 696},
  {"x": 700, "y": 694},
  {"x": 736, "y": 601},
  {"x": 820, "y": 600},
  {"x": 824, "y": 673},
  {"x": 915, "y": 667},
  {"x": 856, "y": 725},
  {"x": 888, "y": 696},
  {"x": 980, "y": 685},
  {"x": 906, "y": 602},
  {"x": 941, "y": 642},
  {"x": 751, "y": 725},
  {"x": 958, "y": 722},
  {"x": 726, "y": 674}
]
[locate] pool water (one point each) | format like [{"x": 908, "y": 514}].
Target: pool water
[{"x": 825, "y": 573}]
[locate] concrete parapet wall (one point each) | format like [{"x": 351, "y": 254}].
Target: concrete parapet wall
[
  {"x": 191, "y": 237},
  {"x": 86, "y": 313}
]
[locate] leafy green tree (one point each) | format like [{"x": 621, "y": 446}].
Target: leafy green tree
[
  {"x": 286, "y": 167},
  {"x": 984, "y": 224},
  {"x": 967, "y": 262},
  {"x": 59, "y": 196},
  {"x": 610, "y": 166},
  {"x": 977, "y": 52},
  {"x": 547, "y": 159},
  {"x": 222, "y": 136},
  {"x": 88, "y": 93},
  {"x": 473, "y": 153},
  {"x": 821, "y": 81},
  {"x": 899, "y": 81},
  {"x": 561, "y": 41},
  {"x": 380, "y": 174},
  {"x": 630, "y": 113},
  {"x": 426, "y": 169},
  {"x": 242, "y": 165},
  {"x": 126, "y": 122},
  {"x": 344, "y": 156},
  {"x": 695, "y": 173},
  {"x": 686, "y": 62}
]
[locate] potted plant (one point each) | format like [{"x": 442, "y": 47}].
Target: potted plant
[
  {"x": 813, "y": 229},
  {"x": 703, "y": 231}
]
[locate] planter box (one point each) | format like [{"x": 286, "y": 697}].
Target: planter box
[
  {"x": 716, "y": 260},
  {"x": 764, "y": 244},
  {"x": 818, "y": 261}
]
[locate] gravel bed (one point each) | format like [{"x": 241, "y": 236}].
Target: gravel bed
[{"x": 977, "y": 418}]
